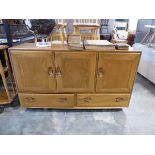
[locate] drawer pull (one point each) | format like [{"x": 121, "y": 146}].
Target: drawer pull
[
  {"x": 119, "y": 99},
  {"x": 87, "y": 99},
  {"x": 50, "y": 71},
  {"x": 63, "y": 99},
  {"x": 58, "y": 71},
  {"x": 30, "y": 99},
  {"x": 100, "y": 72}
]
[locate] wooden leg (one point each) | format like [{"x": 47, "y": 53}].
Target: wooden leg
[
  {"x": 152, "y": 38},
  {"x": 4, "y": 81},
  {"x": 61, "y": 35},
  {"x": 35, "y": 40},
  {"x": 76, "y": 30},
  {"x": 98, "y": 33},
  {"x": 9, "y": 69},
  {"x": 94, "y": 34}
]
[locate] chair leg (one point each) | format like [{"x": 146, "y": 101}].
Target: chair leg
[
  {"x": 9, "y": 70},
  {"x": 4, "y": 81}
]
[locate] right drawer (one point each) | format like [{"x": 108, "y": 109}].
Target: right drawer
[{"x": 103, "y": 100}]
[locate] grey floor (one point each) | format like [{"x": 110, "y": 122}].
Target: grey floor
[{"x": 139, "y": 118}]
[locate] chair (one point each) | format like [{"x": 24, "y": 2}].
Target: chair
[
  {"x": 59, "y": 32},
  {"x": 6, "y": 95},
  {"x": 87, "y": 28},
  {"x": 104, "y": 26},
  {"x": 116, "y": 38}
]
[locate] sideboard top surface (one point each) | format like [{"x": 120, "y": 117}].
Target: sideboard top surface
[{"x": 59, "y": 47}]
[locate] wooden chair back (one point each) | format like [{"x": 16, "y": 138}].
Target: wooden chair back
[
  {"x": 87, "y": 28},
  {"x": 87, "y": 21},
  {"x": 59, "y": 32}
]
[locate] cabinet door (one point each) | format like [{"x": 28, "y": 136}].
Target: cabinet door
[
  {"x": 116, "y": 71},
  {"x": 34, "y": 71},
  {"x": 75, "y": 71}
]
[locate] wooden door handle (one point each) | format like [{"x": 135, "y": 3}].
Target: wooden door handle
[
  {"x": 119, "y": 99},
  {"x": 30, "y": 99},
  {"x": 87, "y": 99},
  {"x": 100, "y": 72},
  {"x": 50, "y": 71},
  {"x": 58, "y": 71}
]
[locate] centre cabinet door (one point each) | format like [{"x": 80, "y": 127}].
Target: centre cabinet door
[
  {"x": 34, "y": 71},
  {"x": 116, "y": 71},
  {"x": 75, "y": 71}
]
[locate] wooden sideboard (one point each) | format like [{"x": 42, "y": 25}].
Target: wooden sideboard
[{"x": 57, "y": 77}]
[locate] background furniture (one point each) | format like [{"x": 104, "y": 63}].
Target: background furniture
[
  {"x": 122, "y": 24},
  {"x": 14, "y": 33},
  {"x": 118, "y": 38},
  {"x": 142, "y": 30},
  {"x": 131, "y": 38},
  {"x": 59, "y": 33},
  {"x": 147, "y": 62},
  {"x": 87, "y": 28},
  {"x": 104, "y": 31},
  {"x": 120, "y": 31},
  {"x": 56, "y": 77},
  {"x": 7, "y": 93}
]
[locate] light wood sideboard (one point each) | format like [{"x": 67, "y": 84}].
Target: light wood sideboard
[{"x": 57, "y": 77}]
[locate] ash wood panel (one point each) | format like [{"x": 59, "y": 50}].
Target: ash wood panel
[
  {"x": 34, "y": 71},
  {"x": 75, "y": 71},
  {"x": 116, "y": 71},
  {"x": 103, "y": 100},
  {"x": 46, "y": 100}
]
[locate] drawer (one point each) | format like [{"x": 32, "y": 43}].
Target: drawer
[
  {"x": 103, "y": 100},
  {"x": 46, "y": 100}
]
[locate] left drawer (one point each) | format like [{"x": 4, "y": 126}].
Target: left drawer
[{"x": 46, "y": 100}]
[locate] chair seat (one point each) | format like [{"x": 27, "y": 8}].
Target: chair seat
[
  {"x": 58, "y": 42},
  {"x": 86, "y": 24},
  {"x": 2, "y": 47},
  {"x": 119, "y": 41}
]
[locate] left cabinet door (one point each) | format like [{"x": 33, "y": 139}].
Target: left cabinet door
[{"x": 34, "y": 71}]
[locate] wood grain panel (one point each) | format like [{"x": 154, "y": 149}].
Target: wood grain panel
[
  {"x": 75, "y": 71},
  {"x": 116, "y": 71},
  {"x": 34, "y": 71},
  {"x": 46, "y": 100},
  {"x": 103, "y": 100}
]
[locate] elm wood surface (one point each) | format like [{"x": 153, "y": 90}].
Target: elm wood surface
[
  {"x": 75, "y": 71},
  {"x": 107, "y": 76},
  {"x": 116, "y": 72},
  {"x": 60, "y": 47},
  {"x": 99, "y": 100},
  {"x": 34, "y": 71},
  {"x": 46, "y": 100}
]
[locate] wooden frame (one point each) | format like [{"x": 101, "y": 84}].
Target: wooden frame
[
  {"x": 61, "y": 35},
  {"x": 87, "y": 24},
  {"x": 76, "y": 74},
  {"x": 7, "y": 95}
]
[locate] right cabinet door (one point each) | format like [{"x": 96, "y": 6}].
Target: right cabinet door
[{"x": 116, "y": 71}]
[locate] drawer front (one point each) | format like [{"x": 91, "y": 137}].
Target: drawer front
[
  {"x": 103, "y": 100},
  {"x": 46, "y": 100}
]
